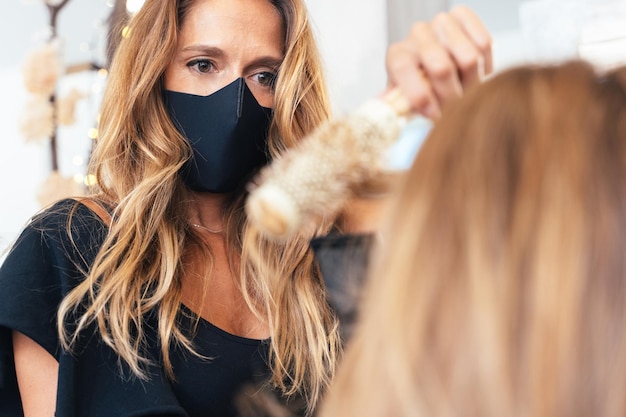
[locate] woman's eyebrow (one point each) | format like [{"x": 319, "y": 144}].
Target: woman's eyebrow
[
  {"x": 265, "y": 61},
  {"x": 205, "y": 49}
]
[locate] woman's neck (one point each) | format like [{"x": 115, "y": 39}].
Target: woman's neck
[{"x": 206, "y": 211}]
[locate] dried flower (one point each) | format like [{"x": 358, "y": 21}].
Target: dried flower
[
  {"x": 66, "y": 107},
  {"x": 42, "y": 68},
  {"x": 57, "y": 187},
  {"x": 37, "y": 121}
]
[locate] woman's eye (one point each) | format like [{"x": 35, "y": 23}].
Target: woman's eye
[
  {"x": 266, "y": 79},
  {"x": 201, "y": 65}
]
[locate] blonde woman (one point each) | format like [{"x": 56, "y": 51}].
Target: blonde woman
[
  {"x": 141, "y": 299},
  {"x": 501, "y": 288}
]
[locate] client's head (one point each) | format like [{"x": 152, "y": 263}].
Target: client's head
[{"x": 500, "y": 288}]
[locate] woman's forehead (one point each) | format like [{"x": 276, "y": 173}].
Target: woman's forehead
[{"x": 234, "y": 23}]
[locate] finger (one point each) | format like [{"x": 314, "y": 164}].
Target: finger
[
  {"x": 477, "y": 32},
  {"x": 461, "y": 48},
  {"x": 405, "y": 73},
  {"x": 438, "y": 64}
]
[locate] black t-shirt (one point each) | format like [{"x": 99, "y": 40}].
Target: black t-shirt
[{"x": 43, "y": 266}]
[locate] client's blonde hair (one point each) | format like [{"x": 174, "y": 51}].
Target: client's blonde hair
[{"x": 501, "y": 287}]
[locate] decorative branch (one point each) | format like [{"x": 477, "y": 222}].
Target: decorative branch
[
  {"x": 54, "y": 10},
  {"x": 82, "y": 66}
]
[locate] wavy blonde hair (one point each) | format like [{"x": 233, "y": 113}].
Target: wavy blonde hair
[
  {"x": 501, "y": 288},
  {"x": 136, "y": 162}
]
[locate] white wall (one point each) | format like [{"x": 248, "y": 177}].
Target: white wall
[{"x": 353, "y": 37}]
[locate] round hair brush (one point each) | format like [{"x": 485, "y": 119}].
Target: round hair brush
[{"x": 315, "y": 178}]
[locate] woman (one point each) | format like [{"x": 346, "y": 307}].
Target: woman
[
  {"x": 153, "y": 306},
  {"x": 501, "y": 288}
]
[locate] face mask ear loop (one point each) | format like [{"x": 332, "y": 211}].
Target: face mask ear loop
[{"x": 240, "y": 92}]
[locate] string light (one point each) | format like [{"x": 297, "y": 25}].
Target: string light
[
  {"x": 133, "y": 6},
  {"x": 78, "y": 160},
  {"x": 90, "y": 180},
  {"x": 93, "y": 133}
]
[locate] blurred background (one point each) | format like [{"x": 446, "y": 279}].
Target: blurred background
[{"x": 40, "y": 162}]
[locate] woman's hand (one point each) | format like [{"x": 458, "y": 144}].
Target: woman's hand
[{"x": 438, "y": 60}]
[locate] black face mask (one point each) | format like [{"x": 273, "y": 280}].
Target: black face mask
[{"x": 227, "y": 131}]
